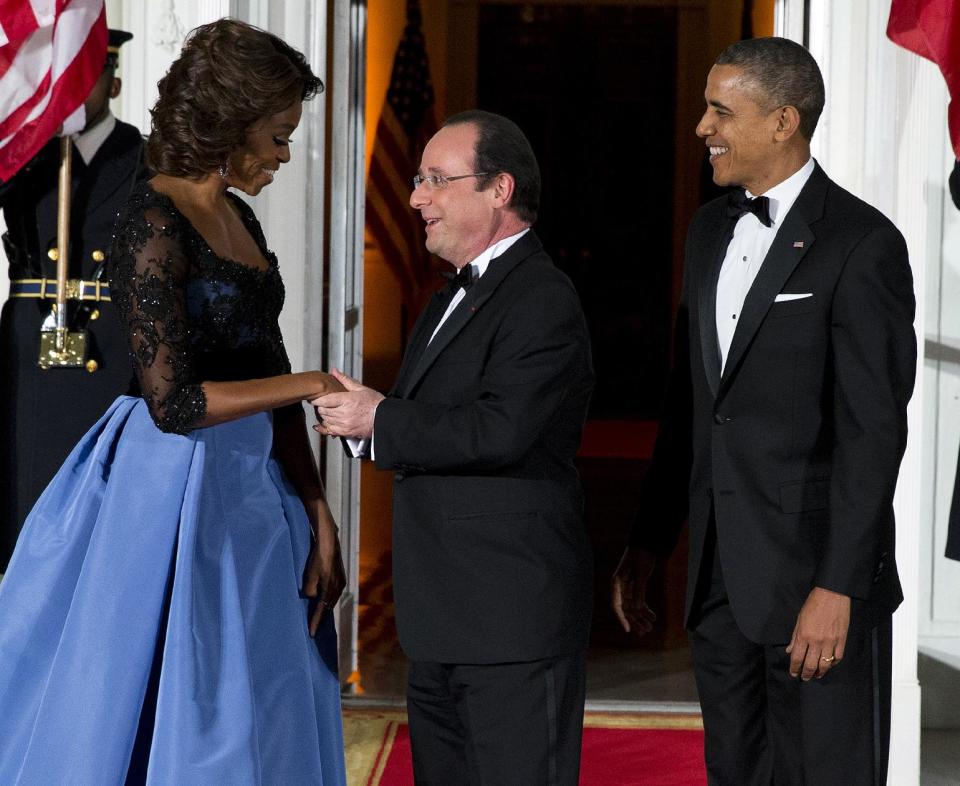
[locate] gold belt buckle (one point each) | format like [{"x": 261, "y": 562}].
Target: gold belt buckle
[
  {"x": 62, "y": 347},
  {"x": 72, "y": 352}
]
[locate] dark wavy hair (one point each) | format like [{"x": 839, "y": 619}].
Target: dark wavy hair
[
  {"x": 502, "y": 147},
  {"x": 229, "y": 76}
]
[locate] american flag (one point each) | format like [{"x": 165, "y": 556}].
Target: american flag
[
  {"x": 406, "y": 124},
  {"x": 51, "y": 54},
  {"x": 931, "y": 29}
]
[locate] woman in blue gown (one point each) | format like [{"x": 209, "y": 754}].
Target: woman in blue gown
[{"x": 166, "y": 614}]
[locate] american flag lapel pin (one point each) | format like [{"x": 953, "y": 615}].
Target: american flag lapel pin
[{"x": 798, "y": 244}]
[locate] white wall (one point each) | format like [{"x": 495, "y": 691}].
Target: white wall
[
  {"x": 940, "y": 591},
  {"x": 939, "y": 619},
  {"x": 883, "y": 137}
]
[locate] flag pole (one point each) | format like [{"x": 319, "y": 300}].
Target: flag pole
[
  {"x": 59, "y": 346},
  {"x": 63, "y": 237}
]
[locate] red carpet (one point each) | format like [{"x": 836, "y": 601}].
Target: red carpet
[
  {"x": 618, "y": 750},
  {"x": 642, "y": 757}
]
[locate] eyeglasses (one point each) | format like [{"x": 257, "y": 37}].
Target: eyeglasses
[{"x": 441, "y": 181}]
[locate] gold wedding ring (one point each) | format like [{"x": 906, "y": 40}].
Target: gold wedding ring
[{"x": 831, "y": 659}]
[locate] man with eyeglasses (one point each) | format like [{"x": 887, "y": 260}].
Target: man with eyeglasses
[{"x": 491, "y": 564}]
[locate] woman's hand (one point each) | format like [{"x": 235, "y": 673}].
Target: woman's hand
[
  {"x": 324, "y": 577},
  {"x": 348, "y": 414},
  {"x": 236, "y": 399},
  {"x": 322, "y": 384}
]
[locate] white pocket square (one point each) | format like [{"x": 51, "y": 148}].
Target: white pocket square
[{"x": 783, "y": 297}]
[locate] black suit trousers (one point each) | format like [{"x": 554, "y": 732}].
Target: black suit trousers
[
  {"x": 505, "y": 724},
  {"x": 764, "y": 727}
]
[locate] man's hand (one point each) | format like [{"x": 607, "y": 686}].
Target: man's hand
[
  {"x": 629, "y": 590},
  {"x": 820, "y": 634},
  {"x": 348, "y": 414}
]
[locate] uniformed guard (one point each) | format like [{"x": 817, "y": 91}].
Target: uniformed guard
[{"x": 45, "y": 410}]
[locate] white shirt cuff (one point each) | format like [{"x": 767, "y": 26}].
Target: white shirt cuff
[{"x": 357, "y": 447}]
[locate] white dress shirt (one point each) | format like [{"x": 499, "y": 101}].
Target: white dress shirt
[
  {"x": 358, "y": 447},
  {"x": 480, "y": 264},
  {"x": 749, "y": 246},
  {"x": 89, "y": 142}
]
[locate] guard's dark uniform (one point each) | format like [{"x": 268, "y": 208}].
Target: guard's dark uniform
[{"x": 43, "y": 413}]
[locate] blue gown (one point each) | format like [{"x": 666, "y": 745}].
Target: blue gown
[{"x": 151, "y": 624}]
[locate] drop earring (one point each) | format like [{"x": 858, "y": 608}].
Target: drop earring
[{"x": 224, "y": 170}]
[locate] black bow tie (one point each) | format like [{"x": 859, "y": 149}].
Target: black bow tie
[
  {"x": 465, "y": 277},
  {"x": 739, "y": 203}
]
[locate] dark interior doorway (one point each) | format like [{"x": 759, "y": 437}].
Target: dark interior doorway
[
  {"x": 609, "y": 93},
  {"x": 594, "y": 87}
]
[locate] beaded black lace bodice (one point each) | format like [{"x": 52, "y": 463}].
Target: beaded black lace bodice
[{"x": 191, "y": 316}]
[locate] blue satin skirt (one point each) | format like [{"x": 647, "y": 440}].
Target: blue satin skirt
[{"x": 151, "y": 620}]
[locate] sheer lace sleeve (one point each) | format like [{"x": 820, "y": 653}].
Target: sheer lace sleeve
[{"x": 148, "y": 285}]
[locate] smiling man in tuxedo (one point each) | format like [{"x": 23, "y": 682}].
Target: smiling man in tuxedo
[
  {"x": 491, "y": 563},
  {"x": 784, "y": 428}
]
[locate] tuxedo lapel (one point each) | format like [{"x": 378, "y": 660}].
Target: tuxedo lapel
[
  {"x": 792, "y": 242},
  {"x": 498, "y": 269},
  {"x": 462, "y": 314},
  {"x": 707, "y": 300},
  {"x": 419, "y": 336}
]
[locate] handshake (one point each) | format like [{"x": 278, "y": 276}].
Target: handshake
[{"x": 345, "y": 408}]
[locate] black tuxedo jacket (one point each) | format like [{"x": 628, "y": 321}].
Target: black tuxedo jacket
[
  {"x": 491, "y": 561},
  {"x": 796, "y": 447}
]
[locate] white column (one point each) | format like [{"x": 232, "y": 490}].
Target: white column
[
  {"x": 345, "y": 322},
  {"x": 918, "y": 214},
  {"x": 291, "y": 210},
  {"x": 789, "y": 19},
  {"x": 939, "y": 620},
  {"x": 880, "y": 138}
]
